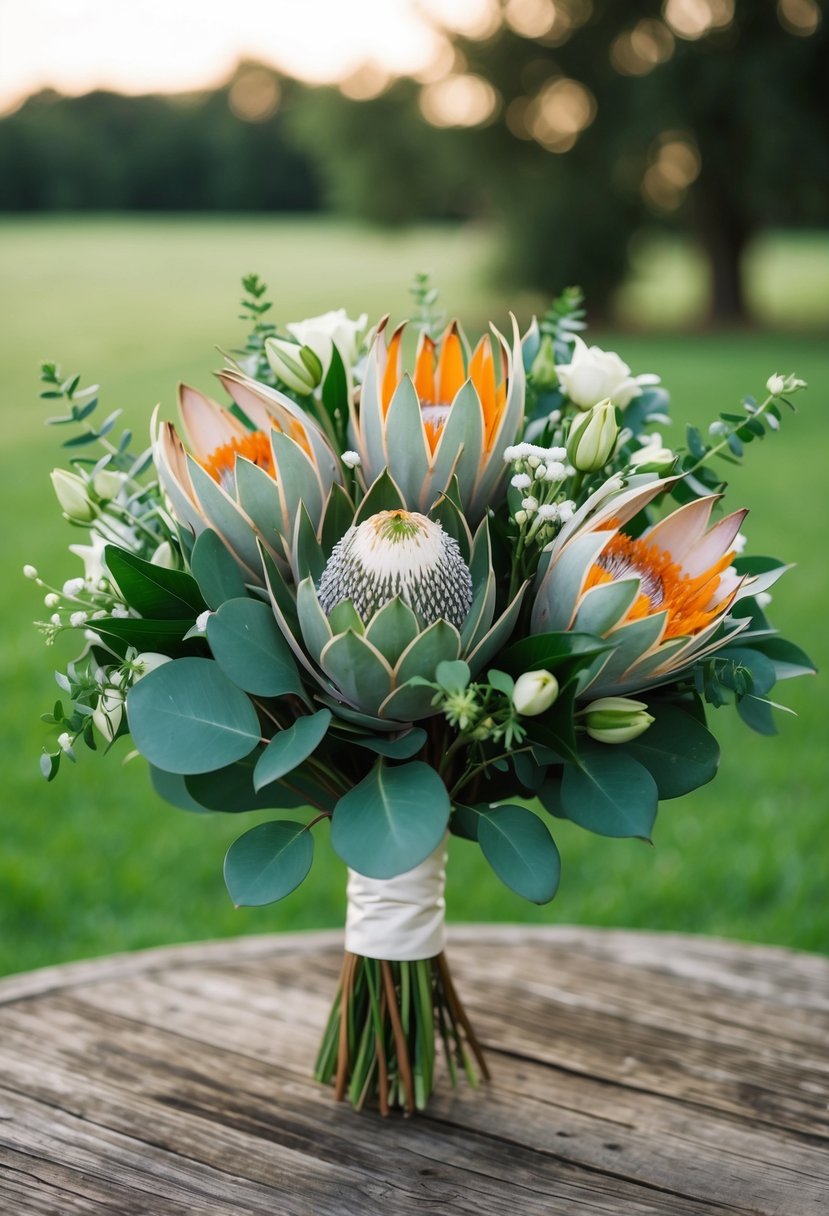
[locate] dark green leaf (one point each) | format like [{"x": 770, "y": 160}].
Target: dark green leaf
[
  {"x": 154, "y": 591},
  {"x": 678, "y": 752},
  {"x": 173, "y": 789},
  {"x": 165, "y": 637},
  {"x": 562, "y": 653},
  {"x": 401, "y": 748},
  {"x": 268, "y": 862}
]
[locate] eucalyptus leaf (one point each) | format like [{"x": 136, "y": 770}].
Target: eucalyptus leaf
[
  {"x": 215, "y": 570},
  {"x": 610, "y": 792},
  {"x": 249, "y": 647},
  {"x": 402, "y": 748},
  {"x": 290, "y": 747},
  {"x": 394, "y": 819},
  {"x": 188, "y": 717},
  {"x": 521, "y": 852},
  {"x": 268, "y": 862},
  {"x": 154, "y": 591},
  {"x": 677, "y": 750}
]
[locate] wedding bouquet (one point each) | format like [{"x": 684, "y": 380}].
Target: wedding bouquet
[{"x": 406, "y": 587}]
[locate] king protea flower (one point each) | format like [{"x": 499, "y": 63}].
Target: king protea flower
[
  {"x": 245, "y": 482},
  {"x": 397, "y": 596},
  {"x": 451, "y": 417},
  {"x": 661, "y": 597}
]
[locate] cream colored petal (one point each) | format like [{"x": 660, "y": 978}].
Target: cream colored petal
[
  {"x": 206, "y": 425},
  {"x": 710, "y": 548},
  {"x": 679, "y": 531}
]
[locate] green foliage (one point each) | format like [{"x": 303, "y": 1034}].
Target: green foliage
[
  {"x": 188, "y": 717},
  {"x": 248, "y": 646},
  {"x": 154, "y": 591},
  {"x": 521, "y": 852},
  {"x": 215, "y": 571},
  {"x": 290, "y": 747},
  {"x": 394, "y": 819},
  {"x": 268, "y": 862},
  {"x": 609, "y": 792}
]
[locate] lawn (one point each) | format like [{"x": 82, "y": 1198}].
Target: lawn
[{"x": 95, "y": 863}]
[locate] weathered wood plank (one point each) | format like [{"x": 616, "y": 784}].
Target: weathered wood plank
[{"x": 643, "y": 1074}]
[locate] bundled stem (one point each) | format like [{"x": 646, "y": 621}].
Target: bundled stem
[{"x": 380, "y": 1040}]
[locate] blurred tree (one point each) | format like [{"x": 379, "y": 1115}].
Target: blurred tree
[
  {"x": 217, "y": 151},
  {"x": 711, "y": 114}
]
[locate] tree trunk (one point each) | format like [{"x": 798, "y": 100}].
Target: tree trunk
[{"x": 724, "y": 234}]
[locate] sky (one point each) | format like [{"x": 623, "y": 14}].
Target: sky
[{"x": 139, "y": 46}]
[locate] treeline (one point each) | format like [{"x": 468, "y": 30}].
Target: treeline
[{"x": 108, "y": 152}]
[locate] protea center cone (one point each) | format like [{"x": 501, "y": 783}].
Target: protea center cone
[{"x": 398, "y": 553}]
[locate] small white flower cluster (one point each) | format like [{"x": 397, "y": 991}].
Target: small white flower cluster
[{"x": 540, "y": 472}]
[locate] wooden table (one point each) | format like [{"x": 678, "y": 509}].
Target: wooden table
[{"x": 632, "y": 1073}]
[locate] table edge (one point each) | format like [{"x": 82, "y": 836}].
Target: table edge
[{"x": 661, "y": 949}]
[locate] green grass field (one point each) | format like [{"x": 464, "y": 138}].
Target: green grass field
[{"x": 94, "y": 863}]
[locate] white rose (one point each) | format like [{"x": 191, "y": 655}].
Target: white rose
[
  {"x": 593, "y": 374},
  {"x": 329, "y": 329}
]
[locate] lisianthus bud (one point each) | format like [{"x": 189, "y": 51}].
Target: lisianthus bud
[
  {"x": 398, "y": 553},
  {"x": 146, "y": 662},
  {"x": 164, "y": 556},
  {"x": 592, "y": 438},
  {"x": 72, "y": 495},
  {"x": 543, "y": 370},
  {"x": 616, "y": 719},
  {"x": 297, "y": 366},
  {"x": 108, "y": 713},
  {"x": 107, "y": 483},
  {"x": 534, "y": 692}
]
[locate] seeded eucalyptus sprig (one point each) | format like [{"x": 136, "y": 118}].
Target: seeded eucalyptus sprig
[
  {"x": 428, "y": 317},
  {"x": 81, "y": 404}
]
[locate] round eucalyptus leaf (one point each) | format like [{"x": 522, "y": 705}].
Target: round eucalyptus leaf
[
  {"x": 392, "y": 820},
  {"x": 288, "y": 749},
  {"x": 678, "y": 752},
  {"x": 188, "y": 717},
  {"x": 268, "y": 862},
  {"x": 215, "y": 570},
  {"x": 610, "y": 792},
  {"x": 521, "y": 852},
  {"x": 248, "y": 646}
]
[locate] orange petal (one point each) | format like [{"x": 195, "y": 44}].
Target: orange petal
[
  {"x": 392, "y": 370},
  {"x": 482, "y": 374},
  {"x": 451, "y": 372},
  {"x": 424, "y": 374}
]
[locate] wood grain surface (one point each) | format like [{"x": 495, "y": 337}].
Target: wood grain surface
[{"x": 632, "y": 1073}]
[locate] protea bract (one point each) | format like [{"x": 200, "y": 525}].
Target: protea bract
[
  {"x": 663, "y": 596},
  {"x": 245, "y": 479},
  {"x": 450, "y": 418}
]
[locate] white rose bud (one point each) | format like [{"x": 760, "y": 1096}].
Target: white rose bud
[
  {"x": 616, "y": 719},
  {"x": 775, "y": 384},
  {"x": 534, "y": 692},
  {"x": 72, "y": 495},
  {"x": 592, "y": 438},
  {"x": 594, "y": 374}
]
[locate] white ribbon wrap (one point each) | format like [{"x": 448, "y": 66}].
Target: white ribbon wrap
[{"x": 399, "y": 919}]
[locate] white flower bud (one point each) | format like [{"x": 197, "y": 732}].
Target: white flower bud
[
  {"x": 775, "y": 384},
  {"x": 593, "y": 437},
  {"x": 351, "y": 460},
  {"x": 65, "y": 742},
  {"x": 521, "y": 481},
  {"x": 29, "y": 572},
  {"x": 72, "y": 587},
  {"x": 108, "y": 713},
  {"x": 77, "y": 619},
  {"x": 72, "y": 495},
  {"x": 107, "y": 483},
  {"x": 616, "y": 719},
  {"x": 295, "y": 365},
  {"x": 147, "y": 661},
  {"x": 164, "y": 557},
  {"x": 534, "y": 692},
  {"x": 51, "y": 600}
]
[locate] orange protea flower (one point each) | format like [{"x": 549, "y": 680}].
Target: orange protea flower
[
  {"x": 661, "y": 598},
  {"x": 452, "y": 416},
  {"x": 231, "y": 480},
  {"x": 254, "y": 446}
]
